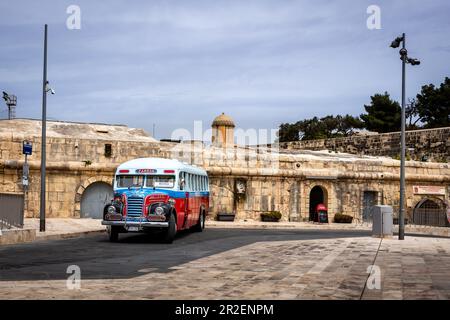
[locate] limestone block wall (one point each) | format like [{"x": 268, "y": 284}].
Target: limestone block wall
[
  {"x": 432, "y": 143},
  {"x": 275, "y": 181}
]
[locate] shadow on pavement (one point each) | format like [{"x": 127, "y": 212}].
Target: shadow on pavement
[{"x": 137, "y": 254}]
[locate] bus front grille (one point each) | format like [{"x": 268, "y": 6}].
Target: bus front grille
[{"x": 134, "y": 207}]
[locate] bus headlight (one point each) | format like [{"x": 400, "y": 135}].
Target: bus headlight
[
  {"x": 111, "y": 209},
  {"x": 159, "y": 210}
]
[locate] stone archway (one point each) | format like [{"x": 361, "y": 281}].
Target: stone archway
[
  {"x": 430, "y": 212},
  {"x": 317, "y": 195},
  {"x": 84, "y": 186}
]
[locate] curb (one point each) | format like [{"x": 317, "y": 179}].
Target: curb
[
  {"x": 63, "y": 236},
  {"x": 282, "y": 226},
  {"x": 425, "y": 230}
]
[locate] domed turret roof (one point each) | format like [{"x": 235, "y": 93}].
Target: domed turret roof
[{"x": 223, "y": 120}]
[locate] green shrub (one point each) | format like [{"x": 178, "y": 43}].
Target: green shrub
[
  {"x": 342, "y": 218},
  {"x": 272, "y": 214}
]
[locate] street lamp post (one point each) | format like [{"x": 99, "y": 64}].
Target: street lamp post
[
  {"x": 405, "y": 59},
  {"x": 43, "y": 136}
]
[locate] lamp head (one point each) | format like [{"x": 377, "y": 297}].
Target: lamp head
[
  {"x": 48, "y": 88},
  {"x": 396, "y": 42},
  {"x": 414, "y": 62}
]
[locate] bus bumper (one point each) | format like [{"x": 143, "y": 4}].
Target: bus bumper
[{"x": 134, "y": 224}]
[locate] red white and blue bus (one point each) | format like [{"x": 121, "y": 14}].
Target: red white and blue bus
[{"x": 157, "y": 194}]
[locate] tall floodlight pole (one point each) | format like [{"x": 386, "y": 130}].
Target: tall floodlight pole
[
  {"x": 44, "y": 136},
  {"x": 405, "y": 60},
  {"x": 401, "y": 223}
]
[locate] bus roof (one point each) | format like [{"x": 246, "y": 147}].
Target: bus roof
[{"x": 160, "y": 163}]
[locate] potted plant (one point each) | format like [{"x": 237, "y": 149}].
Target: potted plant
[
  {"x": 225, "y": 216},
  {"x": 270, "y": 216},
  {"x": 342, "y": 218}
]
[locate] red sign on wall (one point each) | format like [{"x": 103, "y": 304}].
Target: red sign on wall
[{"x": 436, "y": 190}]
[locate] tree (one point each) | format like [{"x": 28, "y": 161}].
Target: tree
[
  {"x": 311, "y": 129},
  {"x": 383, "y": 114},
  {"x": 347, "y": 124},
  {"x": 433, "y": 105},
  {"x": 288, "y": 132},
  {"x": 412, "y": 115},
  {"x": 315, "y": 128}
]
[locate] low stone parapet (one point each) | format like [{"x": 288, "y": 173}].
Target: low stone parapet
[{"x": 12, "y": 236}]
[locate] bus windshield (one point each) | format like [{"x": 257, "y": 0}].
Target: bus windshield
[
  {"x": 130, "y": 181},
  {"x": 160, "y": 181}
]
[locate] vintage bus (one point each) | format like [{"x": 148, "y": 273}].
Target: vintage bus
[{"x": 157, "y": 194}]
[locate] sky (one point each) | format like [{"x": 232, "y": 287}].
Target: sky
[{"x": 170, "y": 63}]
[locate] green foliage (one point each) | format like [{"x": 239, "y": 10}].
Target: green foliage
[
  {"x": 383, "y": 114},
  {"x": 412, "y": 115},
  {"x": 315, "y": 128},
  {"x": 342, "y": 218},
  {"x": 433, "y": 105},
  {"x": 288, "y": 132},
  {"x": 272, "y": 215}
]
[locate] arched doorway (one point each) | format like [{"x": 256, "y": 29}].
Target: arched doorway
[
  {"x": 317, "y": 196},
  {"x": 94, "y": 199},
  {"x": 430, "y": 212}
]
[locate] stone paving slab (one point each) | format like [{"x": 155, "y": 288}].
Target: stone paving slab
[{"x": 328, "y": 268}]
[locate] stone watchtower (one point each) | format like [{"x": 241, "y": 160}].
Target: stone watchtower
[{"x": 223, "y": 130}]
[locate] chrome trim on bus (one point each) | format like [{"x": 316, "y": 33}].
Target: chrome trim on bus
[{"x": 163, "y": 224}]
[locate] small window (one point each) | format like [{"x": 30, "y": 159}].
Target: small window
[
  {"x": 188, "y": 182},
  {"x": 108, "y": 150},
  {"x": 129, "y": 181},
  {"x": 182, "y": 181}
]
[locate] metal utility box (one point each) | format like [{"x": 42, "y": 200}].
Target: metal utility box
[{"x": 382, "y": 221}]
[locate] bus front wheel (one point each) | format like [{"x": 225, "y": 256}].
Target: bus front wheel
[
  {"x": 113, "y": 233},
  {"x": 171, "y": 231}
]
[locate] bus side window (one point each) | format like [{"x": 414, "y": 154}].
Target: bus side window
[
  {"x": 182, "y": 181},
  {"x": 188, "y": 182},
  {"x": 203, "y": 183}
]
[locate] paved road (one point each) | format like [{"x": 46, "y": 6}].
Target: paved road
[
  {"x": 226, "y": 263},
  {"x": 98, "y": 258}
]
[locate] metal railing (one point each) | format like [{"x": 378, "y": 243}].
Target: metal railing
[{"x": 11, "y": 210}]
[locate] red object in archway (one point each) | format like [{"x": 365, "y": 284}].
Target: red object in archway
[{"x": 321, "y": 213}]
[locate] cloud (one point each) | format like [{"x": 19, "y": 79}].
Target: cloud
[{"x": 173, "y": 62}]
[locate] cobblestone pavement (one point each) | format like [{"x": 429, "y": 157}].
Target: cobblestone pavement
[{"x": 230, "y": 264}]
